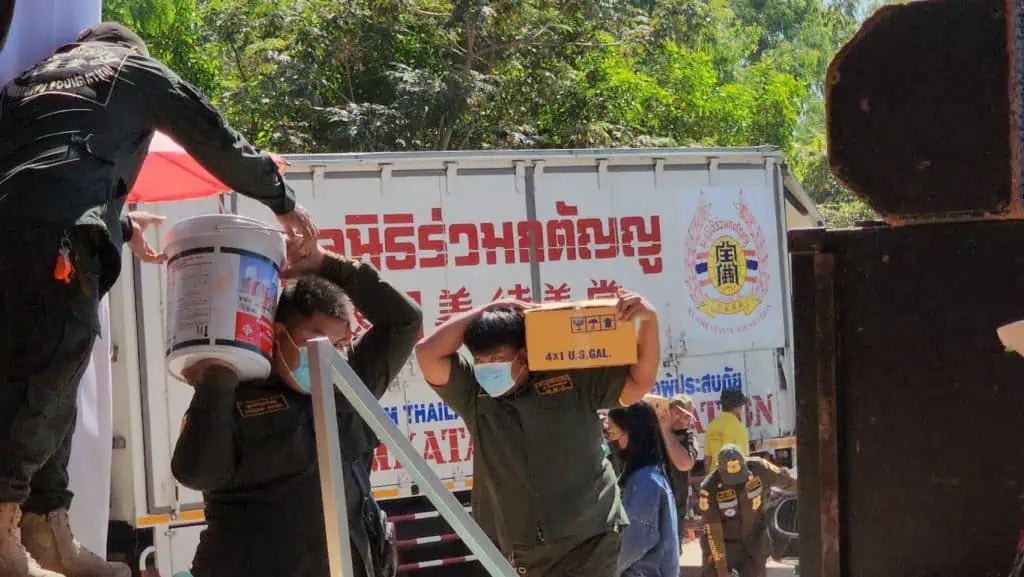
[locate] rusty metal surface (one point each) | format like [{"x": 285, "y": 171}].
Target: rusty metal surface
[
  {"x": 826, "y": 409},
  {"x": 923, "y": 110},
  {"x": 1016, "y": 33},
  {"x": 815, "y": 342},
  {"x": 929, "y": 407},
  {"x": 806, "y": 240},
  {"x": 807, "y": 448}
]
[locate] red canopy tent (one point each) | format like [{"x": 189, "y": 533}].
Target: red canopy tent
[{"x": 170, "y": 173}]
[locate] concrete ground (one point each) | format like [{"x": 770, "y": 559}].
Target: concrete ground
[{"x": 689, "y": 563}]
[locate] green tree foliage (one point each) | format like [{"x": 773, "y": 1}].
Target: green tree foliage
[
  {"x": 174, "y": 34},
  {"x": 370, "y": 75}
]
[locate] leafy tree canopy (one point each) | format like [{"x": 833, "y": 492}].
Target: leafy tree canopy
[{"x": 372, "y": 75}]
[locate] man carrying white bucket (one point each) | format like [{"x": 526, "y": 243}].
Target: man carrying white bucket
[
  {"x": 76, "y": 129},
  {"x": 248, "y": 442}
]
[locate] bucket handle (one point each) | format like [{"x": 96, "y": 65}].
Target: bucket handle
[{"x": 259, "y": 228}]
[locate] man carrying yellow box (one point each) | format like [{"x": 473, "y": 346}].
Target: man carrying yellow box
[{"x": 543, "y": 490}]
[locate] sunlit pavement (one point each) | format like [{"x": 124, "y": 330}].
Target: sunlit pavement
[{"x": 689, "y": 563}]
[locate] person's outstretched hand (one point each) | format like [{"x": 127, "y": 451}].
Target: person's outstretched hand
[
  {"x": 298, "y": 224},
  {"x": 299, "y": 263},
  {"x": 138, "y": 244}
]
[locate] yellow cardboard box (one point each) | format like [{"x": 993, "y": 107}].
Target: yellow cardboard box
[{"x": 578, "y": 335}]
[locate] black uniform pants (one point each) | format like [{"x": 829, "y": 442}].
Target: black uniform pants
[
  {"x": 46, "y": 339},
  {"x": 739, "y": 559}
]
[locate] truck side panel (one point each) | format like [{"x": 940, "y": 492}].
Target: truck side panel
[{"x": 696, "y": 235}]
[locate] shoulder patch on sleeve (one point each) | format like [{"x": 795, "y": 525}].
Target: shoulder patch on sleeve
[{"x": 726, "y": 495}]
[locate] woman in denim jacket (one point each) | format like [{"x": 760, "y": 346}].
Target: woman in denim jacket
[{"x": 650, "y": 543}]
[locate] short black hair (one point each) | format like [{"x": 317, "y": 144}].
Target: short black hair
[
  {"x": 309, "y": 295},
  {"x": 495, "y": 328}
]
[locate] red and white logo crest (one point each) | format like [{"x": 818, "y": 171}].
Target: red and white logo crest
[{"x": 726, "y": 262}]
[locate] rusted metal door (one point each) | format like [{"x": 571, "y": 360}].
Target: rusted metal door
[{"x": 909, "y": 410}]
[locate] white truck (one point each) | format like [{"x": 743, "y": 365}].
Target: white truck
[{"x": 700, "y": 232}]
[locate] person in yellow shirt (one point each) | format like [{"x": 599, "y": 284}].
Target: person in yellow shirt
[{"x": 727, "y": 429}]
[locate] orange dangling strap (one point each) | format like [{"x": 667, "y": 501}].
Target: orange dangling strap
[{"x": 63, "y": 269}]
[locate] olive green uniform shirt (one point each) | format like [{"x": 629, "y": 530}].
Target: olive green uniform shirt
[
  {"x": 733, "y": 515},
  {"x": 539, "y": 471}
]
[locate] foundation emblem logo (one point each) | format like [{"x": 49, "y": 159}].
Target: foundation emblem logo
[{"x": 726, "y": 261}]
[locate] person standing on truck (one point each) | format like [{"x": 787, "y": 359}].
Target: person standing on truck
[
  {"x": 251, "y": 449},
  {"x": 681, "y": 446},
  {"x": 543, "y": 489},
  {"x": 77, "y": 128},
  {"x": 727, "y": 428},
  {"x": 731, "y": 504}
]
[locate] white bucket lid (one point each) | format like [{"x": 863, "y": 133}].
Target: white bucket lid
[{"x": 238, "y": 229}]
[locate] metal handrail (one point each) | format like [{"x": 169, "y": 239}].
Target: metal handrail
[{"x": 323, "y": 357}]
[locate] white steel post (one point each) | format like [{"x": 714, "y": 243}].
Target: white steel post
[{"x": 328, "y": 453}]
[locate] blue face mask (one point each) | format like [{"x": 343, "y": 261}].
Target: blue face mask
[
  {"x": 300, "y": 373},
  {"x": 495, "y": 378}
]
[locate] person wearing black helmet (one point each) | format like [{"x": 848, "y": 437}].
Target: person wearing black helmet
[
  {"x": 77, "y": 127},
  {"x": 732, "y": 506}
]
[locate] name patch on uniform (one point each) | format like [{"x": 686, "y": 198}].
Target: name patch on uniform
[
  {"x": 260, "y": 407},
  {"x": 726, "y": 495},
  {"x": 554, "y": 385},
  {"x": 727, "y": 502}
]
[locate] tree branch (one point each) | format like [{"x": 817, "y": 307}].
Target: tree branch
[{"x": 517, "y": 42}]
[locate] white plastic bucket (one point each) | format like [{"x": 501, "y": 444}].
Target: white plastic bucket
[{"x": 223, "y": 280}]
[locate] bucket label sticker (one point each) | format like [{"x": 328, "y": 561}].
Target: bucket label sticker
[
  {"x": 257, "y": 302},
  {"x": 189, "y": 281}
]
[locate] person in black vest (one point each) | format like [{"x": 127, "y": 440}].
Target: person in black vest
[{"x": 76, "y": 129}]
